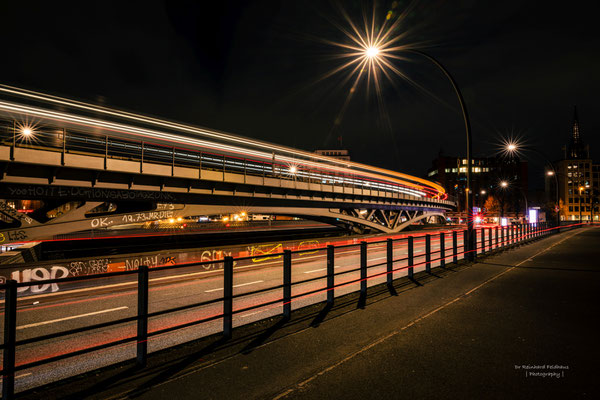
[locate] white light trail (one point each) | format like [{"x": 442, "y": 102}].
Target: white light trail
[{"x": 344, "y": 167}]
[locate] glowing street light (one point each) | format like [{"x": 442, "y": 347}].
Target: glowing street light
[
  {"x": 483, "y": 192},
  {"x": 293, "y": 169},
  {"x": 26, "y": 131},
  {"x": 504, "y": 184},
  {"x": 372, "y": 52},
  {"x": 513, "y": 147}
]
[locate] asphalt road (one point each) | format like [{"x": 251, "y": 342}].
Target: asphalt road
[{"x": 93, "y": 302}]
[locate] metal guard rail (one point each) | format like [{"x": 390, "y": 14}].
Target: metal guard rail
[{"x": 496, "y": 238}]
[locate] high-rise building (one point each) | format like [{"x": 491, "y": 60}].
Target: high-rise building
[
  {"x": 578, "y": 179},
  {"x": 486, "y": 177}
]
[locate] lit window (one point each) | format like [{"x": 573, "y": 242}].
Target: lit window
[{"x": 464, "y": 161}]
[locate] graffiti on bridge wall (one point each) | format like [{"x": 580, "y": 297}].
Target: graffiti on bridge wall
[{"x": 92, "y": 266}]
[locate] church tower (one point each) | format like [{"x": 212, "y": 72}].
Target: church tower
[{"x": 577, "y": 149}]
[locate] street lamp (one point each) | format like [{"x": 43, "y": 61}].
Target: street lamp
[
  {"x": 372, "y": 52},
  {"x": 504, "y": 184},
  {"x": 512, "y": 148},
  {"x": 580, "y": 189},
  {"x": 463, "y": 107}
]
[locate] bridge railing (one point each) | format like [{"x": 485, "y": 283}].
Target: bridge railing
[
  {"x": 69, "y": 141},
  {"x": 392, "y": 257}
]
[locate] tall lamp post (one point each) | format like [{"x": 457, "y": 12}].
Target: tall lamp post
[
  {"x": 504, "y": 184},
  {"x": 581, "y": 188},
  {"x": 374, "y": 52},
  {"x": 513, "y": 148},
  {"x": 553, "y": 173},
  {"x": 469, "y": 193}
]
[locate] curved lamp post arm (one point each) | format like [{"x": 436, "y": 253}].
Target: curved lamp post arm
[
  {"x": 468, "y": 196},
  {"x": 555, "y": 175}
]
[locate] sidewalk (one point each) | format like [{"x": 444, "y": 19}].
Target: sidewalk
[{"x": 470, "y": 331}]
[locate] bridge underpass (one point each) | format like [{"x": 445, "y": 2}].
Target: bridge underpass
[{"x": 358, "y": 216}]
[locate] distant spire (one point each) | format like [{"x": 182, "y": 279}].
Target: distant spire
[
  {"x": 576, "y": 148},
  {"x": 575, "y": 127}
]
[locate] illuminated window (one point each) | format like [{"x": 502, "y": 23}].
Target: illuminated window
[
  {"x": 464, "y": 161},
  {"x": 447, "y": 170},
  {"x": 455, "y": 170}
]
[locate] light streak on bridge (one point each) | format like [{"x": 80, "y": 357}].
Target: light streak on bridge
[{"x": 270, "y": 152}]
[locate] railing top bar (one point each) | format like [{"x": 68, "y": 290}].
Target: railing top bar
[
  {"x": 74, "y": 278},
  {"x": 192, "y": 264}
]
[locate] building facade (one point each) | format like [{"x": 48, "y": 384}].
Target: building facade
[
  {"x": 487, "y": 175},
  {"x": 578, "y": 179}
]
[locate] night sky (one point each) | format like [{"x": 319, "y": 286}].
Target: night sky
[{"x": 252, "y": 68}]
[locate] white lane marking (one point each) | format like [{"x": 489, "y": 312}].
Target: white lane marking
[
  {"x": 71, "y": 317},
  {"x": 252, "y": 313},
  {"x": 19, "y": 376},
  {"x": 378, "y": 258},
  {"x": 235, "y": 286},
  {"x": 319, "y": 270}
]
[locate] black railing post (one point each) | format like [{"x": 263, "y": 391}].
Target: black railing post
[
  {"x": 490, "y": 239},
  {"x": 227, "y": 296},
  {"x": 442, "y": 249},
  {"x": 521, "y": 234},
  {"x": 455, "y": 245},
  {"x": 330, "y": 269},
  {"x": 390, "y": 262},
  {"x": 410, "y": 260},
  {"x": 10, "y": 338},
  {"x": 496, "y": 229},
  {"x": 363, "y": 268},
  {"x": 142, "y": 316},
  {"x": 531, "y": 228},
  {"x": 472, "y": 250},
  {"x": 287, "y": 284},
  {"x": 482, "y": 240},
  {"x": 428, "y": 252}
]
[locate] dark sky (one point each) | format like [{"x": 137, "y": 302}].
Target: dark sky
[{"x": 250, "y": 67}]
